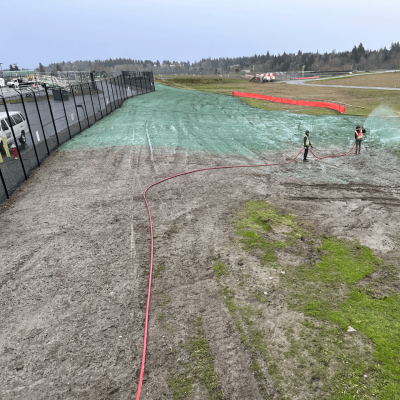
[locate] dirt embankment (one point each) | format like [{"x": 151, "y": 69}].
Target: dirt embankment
[{"x": 75, "y": 260}]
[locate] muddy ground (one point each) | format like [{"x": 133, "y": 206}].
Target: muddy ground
[{"x": 75, "y": 245}]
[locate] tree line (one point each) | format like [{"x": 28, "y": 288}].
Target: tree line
[{"x": 358, "y": 58}]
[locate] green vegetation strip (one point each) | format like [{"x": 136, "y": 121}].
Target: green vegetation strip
[
  {"x": 201, "y": 368},
  {"x": 331, "y": 290}
]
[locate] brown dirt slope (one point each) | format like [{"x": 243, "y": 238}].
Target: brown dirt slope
[{"x": 75, "y": 258}]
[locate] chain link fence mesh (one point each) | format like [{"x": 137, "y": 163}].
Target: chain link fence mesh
[{"x": 37, "y": 120}]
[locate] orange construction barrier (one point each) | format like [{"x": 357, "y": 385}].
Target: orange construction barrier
[{"x": 322, "y": 104}]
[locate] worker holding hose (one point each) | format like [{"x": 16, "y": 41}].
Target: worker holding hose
[
  {"x": 307, "y": 144},
  {"x": 358, "y": 135}
]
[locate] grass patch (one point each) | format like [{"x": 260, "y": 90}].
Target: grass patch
[
  {"x": 200, "y": 351},
  {"x": 341, "y": 285},
  {"x": 359, "y": 102},
  {"x": 390, "y": 79},
  {"x": 181, "y": 384},
  {"x": 159, "y": 270},
  {"x": 257, "y": 226},
  {"x": 220, "y": 269},
  {"x": 201, "y": 368}
]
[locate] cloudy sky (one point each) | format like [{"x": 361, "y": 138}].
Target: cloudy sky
[{"x": 182, "y": 30}]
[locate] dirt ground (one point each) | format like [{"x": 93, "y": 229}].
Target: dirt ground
[
  {"x": 75, "y": 244},
  {"x": 390, "y": 80}
]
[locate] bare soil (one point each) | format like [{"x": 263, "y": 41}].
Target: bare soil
[{"x": 75, "y": 245}]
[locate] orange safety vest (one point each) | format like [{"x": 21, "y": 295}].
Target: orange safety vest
[{"x": 359, "y": 134}]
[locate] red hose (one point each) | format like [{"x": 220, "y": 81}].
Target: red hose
[
  {"x": 335, "y": 155},
  {"x": 152, "y": 247}
]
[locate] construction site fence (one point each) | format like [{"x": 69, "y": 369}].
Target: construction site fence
[{"x": 52, "y": 116}]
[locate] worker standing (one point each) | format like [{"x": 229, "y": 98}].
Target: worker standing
[
  {"x": 358, "y": 135},
  {"x": 307, "y": 144}
]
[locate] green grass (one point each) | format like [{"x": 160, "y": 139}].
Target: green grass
[
  {"x": 220, "y": 269},
  {"x": 204, "y": 371},
  {"x": 332, "y": 293},
  {"x": 181, "y": 384},
  {"x": 359, "y": 102},
  {"x": 159, "y": 270},
  {"x": 200, "y": 368},
  {"x": 255, "y": 227}
]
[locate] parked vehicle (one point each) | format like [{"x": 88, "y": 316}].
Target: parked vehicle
[
  {"x": 18, "y": 122},
  {"x": 19, "y": 83}
]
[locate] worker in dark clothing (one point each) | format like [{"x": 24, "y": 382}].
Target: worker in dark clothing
[
  {"x": 307, "y": 144},
  {"x": 358, "y": 135}
]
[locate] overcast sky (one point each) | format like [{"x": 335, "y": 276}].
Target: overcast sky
[{"x": 49, "y": 31}]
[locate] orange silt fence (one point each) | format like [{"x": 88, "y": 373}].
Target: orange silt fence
[{"x": 322, "y": 104}]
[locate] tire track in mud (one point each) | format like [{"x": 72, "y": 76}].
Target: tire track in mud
[{"x": 189, "y": 282}]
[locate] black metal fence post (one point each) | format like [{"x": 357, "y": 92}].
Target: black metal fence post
[
  {"x": 15, "y": 139},
  {"x": 146, "y": 81},
  {"x": 124, "y": 83},
  {"x": 65, "y": 113},
  {"x": 109, "y": 95},
  {"x": 98, "y": 98},
  {"x": 130, "y": 84},
  {"x": 76, "y": 108},
  {"x": 30, "y": 130},
  {"x": 84, "y": 103},
  {"x": 4, "y": 183},
  {"x": 41, "y": 123},
  {"x": 51, "y": 113},
  {"x": 121, "y": 89},
  {"x": 137, "y": 82},
  {"x": 104, "y": 97},
  {"x": 141, "y": 83},
  {"x": 91, "y": 98},
  {"x": 118, "y": 88},
  {"x": 112, "y": 88}
]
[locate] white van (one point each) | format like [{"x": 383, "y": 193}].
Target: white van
[{"x": 18, "y": 122}]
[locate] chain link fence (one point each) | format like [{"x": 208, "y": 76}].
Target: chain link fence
[{"x": 37, "y": 120}]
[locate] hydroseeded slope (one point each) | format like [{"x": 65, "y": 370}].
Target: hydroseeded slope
[
  {"x": 174, "y": 119},
  {"x": 222, "y": 124}
]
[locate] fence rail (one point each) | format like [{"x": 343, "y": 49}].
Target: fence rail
[{"x": 36, "y": 121}]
